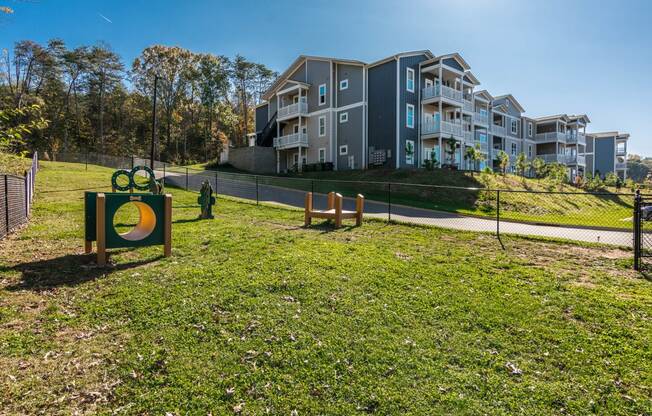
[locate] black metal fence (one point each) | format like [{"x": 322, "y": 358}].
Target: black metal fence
[
  {"x": 597, "y": 217},
  {"x": 16, "y": 196}
]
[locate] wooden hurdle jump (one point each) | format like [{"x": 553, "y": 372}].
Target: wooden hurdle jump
[{"x": 334, "y": 210}]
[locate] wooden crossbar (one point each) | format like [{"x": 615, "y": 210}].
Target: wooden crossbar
[{"x": 334, "y": 209}]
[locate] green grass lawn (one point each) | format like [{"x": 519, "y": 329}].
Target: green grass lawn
[{"x": 254, "y": 314}]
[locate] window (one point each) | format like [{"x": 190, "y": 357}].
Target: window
[
  {"x": 344, "y": 84},
  {"x": 344, "y": 150},
  {"x": 295, "y": 128},
  {"x": 344, "y": 117},
  {"x": 409, "y": 152},
  {"x": 620, "y": 148},
  {"x": 529, "y": 149},
  {"x": 352, "y": 162},
  {"x": 409, "y": 116},
  {"x": 427, "y": 153},
  {"x": 322, "y": 155},
  {"x": 409, "y": 84},
  {"x": 322, "y": 94},
  {"x": 514, "y": 126},
  {"x": 514, "y": 149},
  {"x": 322, "y": 126},
  {"x": 483, "y": 137},
  {"x": 530, "y": 129}
]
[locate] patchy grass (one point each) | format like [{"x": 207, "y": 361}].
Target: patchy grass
[{"x": 255, "y": 314}]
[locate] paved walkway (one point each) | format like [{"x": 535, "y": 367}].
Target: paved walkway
[{"x": 245, "y": 187}]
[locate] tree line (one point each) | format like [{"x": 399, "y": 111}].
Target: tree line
[{"x": 55, "y": 98}]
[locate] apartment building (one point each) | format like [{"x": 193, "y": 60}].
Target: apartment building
[{"x": 411, "y": 108}]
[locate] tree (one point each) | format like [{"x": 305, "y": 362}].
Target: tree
[
  {"x": 503, "y": 161},
  {"x": 473, "y": 155},
  {"x": 17, "y": 123},
  {"x": 27, "y": 70},
  {"x": 213, "y": 81},
  {"x": 522, "y": 163},
  {"x": 539, "y": 166}
]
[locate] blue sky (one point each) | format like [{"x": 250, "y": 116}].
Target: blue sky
[{"x": 554, "y": 56}]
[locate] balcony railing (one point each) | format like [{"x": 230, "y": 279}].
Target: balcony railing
[
  {"x": 291, "y": 140},
  {"x": 429, "y": 126},
  {"x": 621, "y": 165},
  {"x": 468, "y": 138},
  {"x": 564, "y": 159},
  {"x": 293, "y": 110},
  {"x": 498, "y": 130},
  {"x": 554, "y": 136},
  {"x": 481, "y": 119},
  {"x": 467, "y": 106},
  {"x": 441, "y": 91},
  {"x": 578, "y": 138}
]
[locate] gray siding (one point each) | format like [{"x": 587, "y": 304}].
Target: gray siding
[
  {"x": 350, "y": 134},
  {"x": 382, "y": 109},
  {"x": 354, "y": 93},
  {"x": 261, "y": 117},
  {"x": 299, "y": 74},
  {"x": 407, "y": 97},
  {"x": 453, "y": 64},
  {"x": 318, "y": 73},
  {"x": 604, "y": 155}
]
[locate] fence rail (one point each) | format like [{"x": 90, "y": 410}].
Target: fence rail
[
  {"x": 16, "y": 197},
  {"x": 598, "y": 217}
]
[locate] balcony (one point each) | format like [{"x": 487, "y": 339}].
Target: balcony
[
  {"x": 290, "y": 141},
  {"x": 554, "y": 136},
  {"x": 429, "y": 126},
  {"x": 292, "y": 110},
  {"x": 467, "y": 106},
  {"x": 621, "y": 165},
  {"x": 578, "y": 138},
  {"x": 443, "y": 91},
  {"x": 482, "y": 119},
  {"x": 469, "y": 138},
  {"x": 564, "y": 159},
  {"x": 498, "y": 130}
]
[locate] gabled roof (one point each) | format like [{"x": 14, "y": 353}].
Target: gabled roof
[
  {"x": 502, "y": 108},
  {"x": 426, "y": 52},
  {"x": 511, "y": 98},
  {"x": 296, "y": 64},
  {"x": 458, "y": 58},
  {"x": 562, "y": 117},
  {"x": 609, "y": 134},
  {"x": 472, "y": 79},
  {"x": 485, "y": 94},
  {"x": 581, "y": 117}
]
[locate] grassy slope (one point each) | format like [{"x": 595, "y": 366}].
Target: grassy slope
[
  {"x": 13, "y": 164},
  {"x": 255, "y": 313}
]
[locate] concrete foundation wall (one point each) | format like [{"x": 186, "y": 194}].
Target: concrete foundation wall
[{"x": 255, "y": 159}]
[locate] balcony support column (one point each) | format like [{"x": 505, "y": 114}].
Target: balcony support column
[
  {"x": 299, "y": 164},
  {"x": 278, "y": 161}
]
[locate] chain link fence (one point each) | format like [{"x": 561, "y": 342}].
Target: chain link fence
[
  {"x": 16, "y": 196},
  {"x": 597, "y": 217}
]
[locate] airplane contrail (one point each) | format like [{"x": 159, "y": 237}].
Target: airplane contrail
[{"x": 105, "y": 18}]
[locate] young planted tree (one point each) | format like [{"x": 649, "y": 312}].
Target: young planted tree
[
  {"x": 474, "y": 155},
  {"x": 522, "y": 164},
  {"x": 503, "y": 161},
  {"x": 539, "y": 166}
]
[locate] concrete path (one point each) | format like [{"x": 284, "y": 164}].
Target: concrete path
[{"x": 245, "y": 187}]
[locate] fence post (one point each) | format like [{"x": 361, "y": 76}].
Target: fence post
[
  {"x": 86, "y": 159},
  {"x": 7, "y": 203},
  {"x": 26, "y": 194},
  {"x": 257, "y": 190},
  {"x": 163, "y": 175},
  {"x": 389, "y": 201},
  {"x": 312, "y": 186},
  {"x": 498, "y": 219},
  {"x": 216, "y": 185},
  {"x": 186, "y": 179},
  {"x": 132, "y": 161},
  {"x": 637, "y": 230}
]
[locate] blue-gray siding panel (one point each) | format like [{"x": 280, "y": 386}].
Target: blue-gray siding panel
[
  {"x": 261, "y": 117},
  {"x": 382, "y": 109},
  {"x": 407, "y": 97},
  {"x": 604, "y": 155}
]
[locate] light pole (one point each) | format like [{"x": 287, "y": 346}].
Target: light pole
[{"x": 151, "y": 153}]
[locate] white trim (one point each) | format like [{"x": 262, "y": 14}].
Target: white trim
[
  {"x": 409, "y": 71},
  {"x": 319, "y": 131},
  {"x": 344, "y": 84},
  {"x": 344, "y": 117},
  {"x": 407, "y": 112},
  {"x": 343, "y": 150},
  {"x": 397, "y": 155},
  {"x": 319, "y": 96},
  {"x": 321, "y": 149}
]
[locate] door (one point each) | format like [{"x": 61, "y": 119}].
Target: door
[
  {"x": 437, "y": 120},
  {"x": 428, "y": 83}
]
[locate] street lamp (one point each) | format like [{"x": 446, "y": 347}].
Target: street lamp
[{"x": 151, "y": 153}]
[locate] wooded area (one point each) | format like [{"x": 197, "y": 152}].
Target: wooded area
[{"x": 55, "y": 98}]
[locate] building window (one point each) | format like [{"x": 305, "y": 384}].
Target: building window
[
  {"x": 322, "y": 94},
  {"x": 409, "y": 84},
  {"x": 344, "y": 150},
  {"x": 409, "y": 116},
  {"x": 620, "y": 148},
  {"x": 514, "y": 149},
  {"x": 409, "y": 152},
  {"x": 529, "y": 149},
  {"x": 344, "y": 84},
  {"x": 483, "y": 137},
  {"x": 322, "y": 155},
  {"x": 530, "y": 129},
  {"x": 344, "y": 117},
  {"x": 322, "y": 126},
  {"x": 295, "y": 128},
  {"x": 514, "y": 127}
]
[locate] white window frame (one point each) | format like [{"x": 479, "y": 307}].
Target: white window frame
[
  {"x": 409, "y": 71},
  {"x": 514, "y": 149},
  {"x": 321, "y": 154},
  {"x": 344, "y": 84},
  {"x": 514, "y": 127},
  {"x": 344, "y": 117},
  {"x": 351, "y": 161},
  {"x": 320, "y": 126},
  {"x": 344, "y": 150},
  {"x": 322, "y": 97},
  {"x": 530, "y": 129},
  {"x": 409, "y": 160},
  {"x": 529, "y": 151},
  {"x": 407, "y": 116}
]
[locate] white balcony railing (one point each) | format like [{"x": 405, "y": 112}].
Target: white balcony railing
[
  {"x": 441, "y": 91},
  {"x": 429, "y": 126},
  {"x": 564, "y": 159},
  {"x": 467, "y": 106},
  {"x": 621, "y": 165},
  {"x": 293, "y": 110},
  {"x": 554, "y": 136},
  {"x": 577, "y": 138},
  {"x": 481, "y": 119},
  {"x": 291, "y": 140},
  {"x": 468, "y": 138},
  {"x": 498, "y": 130}
]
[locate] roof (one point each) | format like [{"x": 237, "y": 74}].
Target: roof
[
  {"x": 472, "y": 78},
  {"x": 609, "y": 134},
  {"x": 562, "y": 117},
  {"x": 455, "y": 55},
  {"x": 426, "y": 52},
  {"x": 582, "y": 117},
  {"x": 511, "y": 98},
  {"x": 296, "y": 64},
  {"x": 485, "y": 94}
]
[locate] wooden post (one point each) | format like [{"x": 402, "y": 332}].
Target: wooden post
[
  {"x": 331, "y": 200},
  {"x": 308, "y": 209},
  {"x": 100, "y": 230},
  {"x": 359, "y": 208},
  {"x": 338, "y": 210},
  {"x": 167, "y": 232}
]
